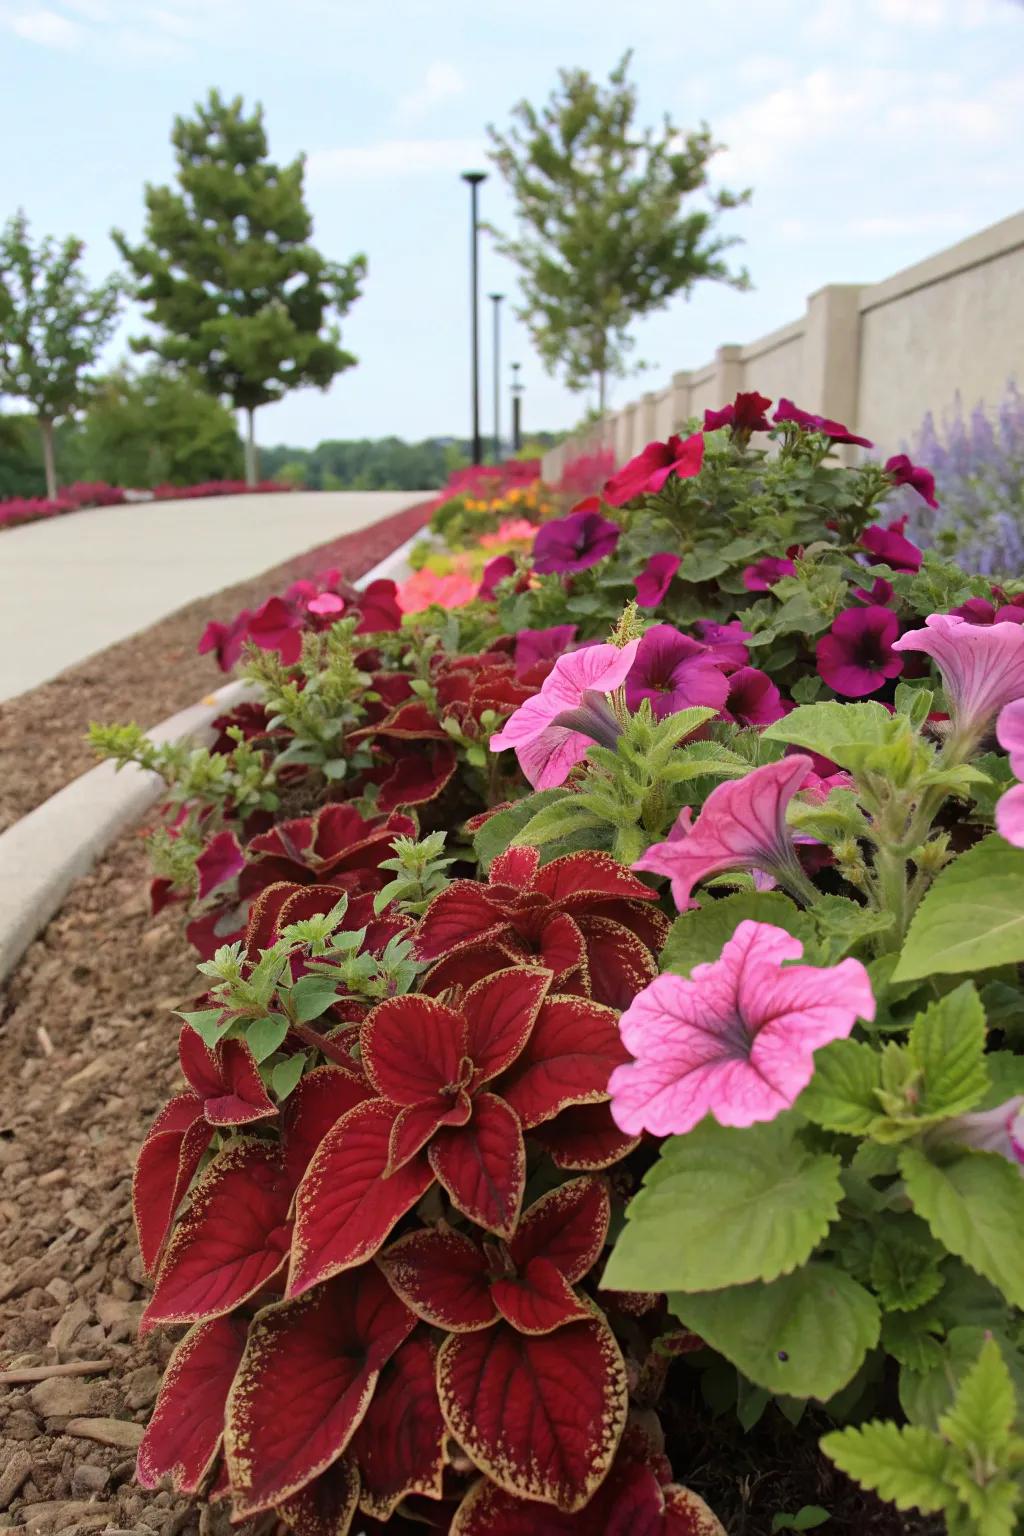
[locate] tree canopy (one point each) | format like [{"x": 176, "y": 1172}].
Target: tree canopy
[
  {"x": 603, "y": 235},
  {"x": 227, "y": 272}
]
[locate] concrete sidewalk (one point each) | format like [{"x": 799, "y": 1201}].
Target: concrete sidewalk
[{"x": 74, "y": 585}]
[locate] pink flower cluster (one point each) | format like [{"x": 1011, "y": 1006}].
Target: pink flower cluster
[{"x": 279, "y": 623}]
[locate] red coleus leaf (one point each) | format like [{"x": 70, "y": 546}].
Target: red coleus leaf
[
  {"x": 576, "y": 877},
  {"x": 571, "y": 1053},
  {"x": 327, "y": 1505},
  {"x": 460, "y": 912},
  {"x": 585, "y": 1138},
  {"x": 619, "y": 964},
  {"x": 164, "y": 1169},
  {"x": 305, "y": 1382},
  {"x": 227, "y": 1080},
  {"x": 315, "y": 1104},
  {"x": 541, "y": 1415},
  {"x": 415, "y": 775},
  {"x": 443, "y": 1276},
  {"x": 568, "y": 1227},
  {"x": 500, "y": 1011},
  {"x": 516, "y": 867},
  {"x": 183, "y": 1436},
  {"x": 411, "y": 1048},
  {"x": 470, "y": 964},
  {"x": 232, "y": 1239},
  {"x": 345, "y": 1207},
  {"x": 221, "y": 860},
  {"x": 399, "y": 1446},
  {"x": 537, "y": 1300},
  {"x": 630, "y": 1503},
  {"x": 482, "y": 1165}
]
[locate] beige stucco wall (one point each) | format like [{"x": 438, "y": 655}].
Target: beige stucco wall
[{"x": 877, "y": 356}]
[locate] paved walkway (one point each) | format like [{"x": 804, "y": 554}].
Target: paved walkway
[{"x": 73, "y": 585}]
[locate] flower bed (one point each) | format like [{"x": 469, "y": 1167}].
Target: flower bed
[
  {"x": 75, "y": 498},
  {"x": 609, "y": 1025}
]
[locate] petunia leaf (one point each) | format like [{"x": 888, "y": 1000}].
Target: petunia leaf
[
  {"x": 975, "y": 1207},
  {"x": 972, "y": 918},
  {"x": 698, "y": 936}
]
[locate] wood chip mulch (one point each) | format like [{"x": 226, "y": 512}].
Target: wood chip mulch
[{"x": 155, "y": 673}]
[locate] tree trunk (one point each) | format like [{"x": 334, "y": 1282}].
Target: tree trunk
[
  {"x": 49, "y": 463},
  {"x": 602, "y": 380},
  {"x": 251, "y": 466}
]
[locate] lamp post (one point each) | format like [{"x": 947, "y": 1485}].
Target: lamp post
[
  {"x": 496, "y": 299},
  {"x": 517, "y": 416},
  {"x": 474, "y": 178}
]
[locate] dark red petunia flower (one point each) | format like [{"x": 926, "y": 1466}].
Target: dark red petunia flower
[
  {"x": 584, "y": 916},
  {"x": 887, "y": 546},
  {"x": 856, "y": 657},
  {"x": 764, "y": 573},
  {"x": 646, "y": 474},
  {"x": 787, "y": 411},
  {"x": 902, "y": 472},
  {"x": 753, "y": 698},
  {"x": 745, "y": 415}
]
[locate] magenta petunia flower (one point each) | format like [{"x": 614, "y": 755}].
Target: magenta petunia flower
[
  {"x": 737, "y": 1040},
  {"x": 887, "y": 546},
  {"x": 902, "y": 472},
  {"x": 982, "y": 668},
  {"x": 277, "y": 627},
  {"x": 537, "y": 645},
  {"x": 787, "y": 411},
  {"x": 856, "y": 657},
  {"x": 553, "y": 731},
  {"x": 753, "y": 698},
  {"x": 655, "y": 579},
  {"x": 746, "y": 414},
  {"x": 674, "y": 672},
  {"x": 498, "y": 569},
  {"x": 881, "y": 592},
  {"x": 646, "y": 474},
  {"x": 764, "y": 573},
  {"x": 741, "y": 826},
  {"x": 726, "y": 642},
  {"x": 227, "y": 641},
  {"x": 574, "y": 543}
]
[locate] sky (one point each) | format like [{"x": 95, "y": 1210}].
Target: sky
[{"x": 872, "y": 132}]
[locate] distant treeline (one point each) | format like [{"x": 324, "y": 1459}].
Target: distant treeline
[{"x": 376, "y": 464}]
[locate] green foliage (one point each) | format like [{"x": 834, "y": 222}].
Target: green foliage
[
  {"x": 698, "y": 936},
  {"x": 318, "y": 700},
  {"x": 603, "y": 238},
  {"x": 973, "y": 916},
  {"x": 968, "y": 1468},
  {"x": 420, "y": 872},
  {"x": 226, "y": 268},
  {"x": 721, "y": 1207},
  {"x": 974, "y": 1205},
  {"x": 53, "y": 325},
  {"x": 153, "y": 428},
  {"x": 808, "y": 1518}
]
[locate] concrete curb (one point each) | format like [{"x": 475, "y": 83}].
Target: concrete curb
[{"x": 43, "y": 854}]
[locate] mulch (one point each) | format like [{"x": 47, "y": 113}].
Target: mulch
[{"x": 155, "y": 673}]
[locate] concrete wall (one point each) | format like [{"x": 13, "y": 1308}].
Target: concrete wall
[{"x": 877, "y": 356}]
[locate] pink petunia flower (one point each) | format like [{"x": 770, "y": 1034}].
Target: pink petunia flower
[
  {"x": 737, "y": 1040},
  {"x": 999, "y": 1130},
  {"x": 574, "y": 543},
  {"x": 553, "y": 731},
  {"x": 326, "y": 604},
  {"x": 787, "y": 411},
  {"x": 646, "y": 474},
  {"x": 764, "y": 573},
  {"x": 1010, "y": 807},
  {"x": 726, "y": 642},
  {"x": 426, "y": 589},
  {"x": 982, "y": 668},
  {"x": 856, "y": 657},
  {"x": 746, "y": 414},
  {"x": 655, "y": 579},
  {"x": 741, "y": 826},
  {"x": 514, "y": 530},
  {"x": 675, "y": 672},
  {"x": 753, "y": 698},
  {"x": 887, "y": 546},
  {"x": 902, "y": 472}
]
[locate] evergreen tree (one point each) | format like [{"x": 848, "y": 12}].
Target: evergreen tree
[
  {"x": 603, "y": 237},
  {"x": 227, "y": 271},
  {"x": 53, "y": 325}
]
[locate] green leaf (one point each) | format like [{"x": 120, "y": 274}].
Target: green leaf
[
  {"x": 263, "y": 1036},
  {"x": 947, "y": 1043},
  {"x": 912, "y": 1338},
  {"x": 983, "y": 1413},
  {"x": 843, "y": 924},
  {"x": 928, "y": 1391},
  {"x": 209, "y": 1024},
  {"x": 907, "y": 1466},
  {"x": 556, "y": 821},
  {"x": 973, "y": 916},
  {"x": 805, "y": 1334},
  {"x": 313, "y": 995},
  {"x": 699, "y": 936},
  {"x": 286, "y": 1074},
  {"x": 724, "y": 1206},
  {"x": 847, "y": 733},
  {"x": 499, "y": 830},
  {"x": 841, "y": 1095},
  {"x": 807, "y": 1518},
  {"x": 975, "y": 1207},
  {"x": 905, "y": 1268}
]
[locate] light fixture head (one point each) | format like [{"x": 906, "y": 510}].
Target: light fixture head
[{"x": 474, "y": 177}]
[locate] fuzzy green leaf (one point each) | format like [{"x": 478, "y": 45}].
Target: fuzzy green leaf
[
  {"x": 722, "y": 1207},
  {"x": 841, "y": 1095},
  {"x": 699, "y": 936},
  {"x": 975, "y": 1207},
  {"x": 805, "y": 1334},
  {"x": 499, "y": 830},
  {"x": 973, "y": 916},
  {"x": 907, "y": 1466},
  {"x": 905, "y": 1269},
  {"x": 847, "y": 733},
  {"x": 558, "y": 820},
  {"x": 947, "y": 1043}
]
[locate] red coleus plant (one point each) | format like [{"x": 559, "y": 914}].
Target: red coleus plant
[
  {"x": 584, "y": 916},
  {"x": 457, "y": 1087}
]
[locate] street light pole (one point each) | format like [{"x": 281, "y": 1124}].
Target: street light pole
[
  {"x": 474, "y": 178},
  {"x": 517, "y": 417},
  {"x": 496, "y": 299}
]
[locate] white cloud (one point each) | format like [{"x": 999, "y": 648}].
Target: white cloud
[
  {"x": 394, "y": 157},
  {"x": 441, "y": 82},
  {"x": 46, "y": 28}
]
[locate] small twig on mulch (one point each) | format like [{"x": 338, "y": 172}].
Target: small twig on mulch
[{"x": 26, "y": 1373}]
